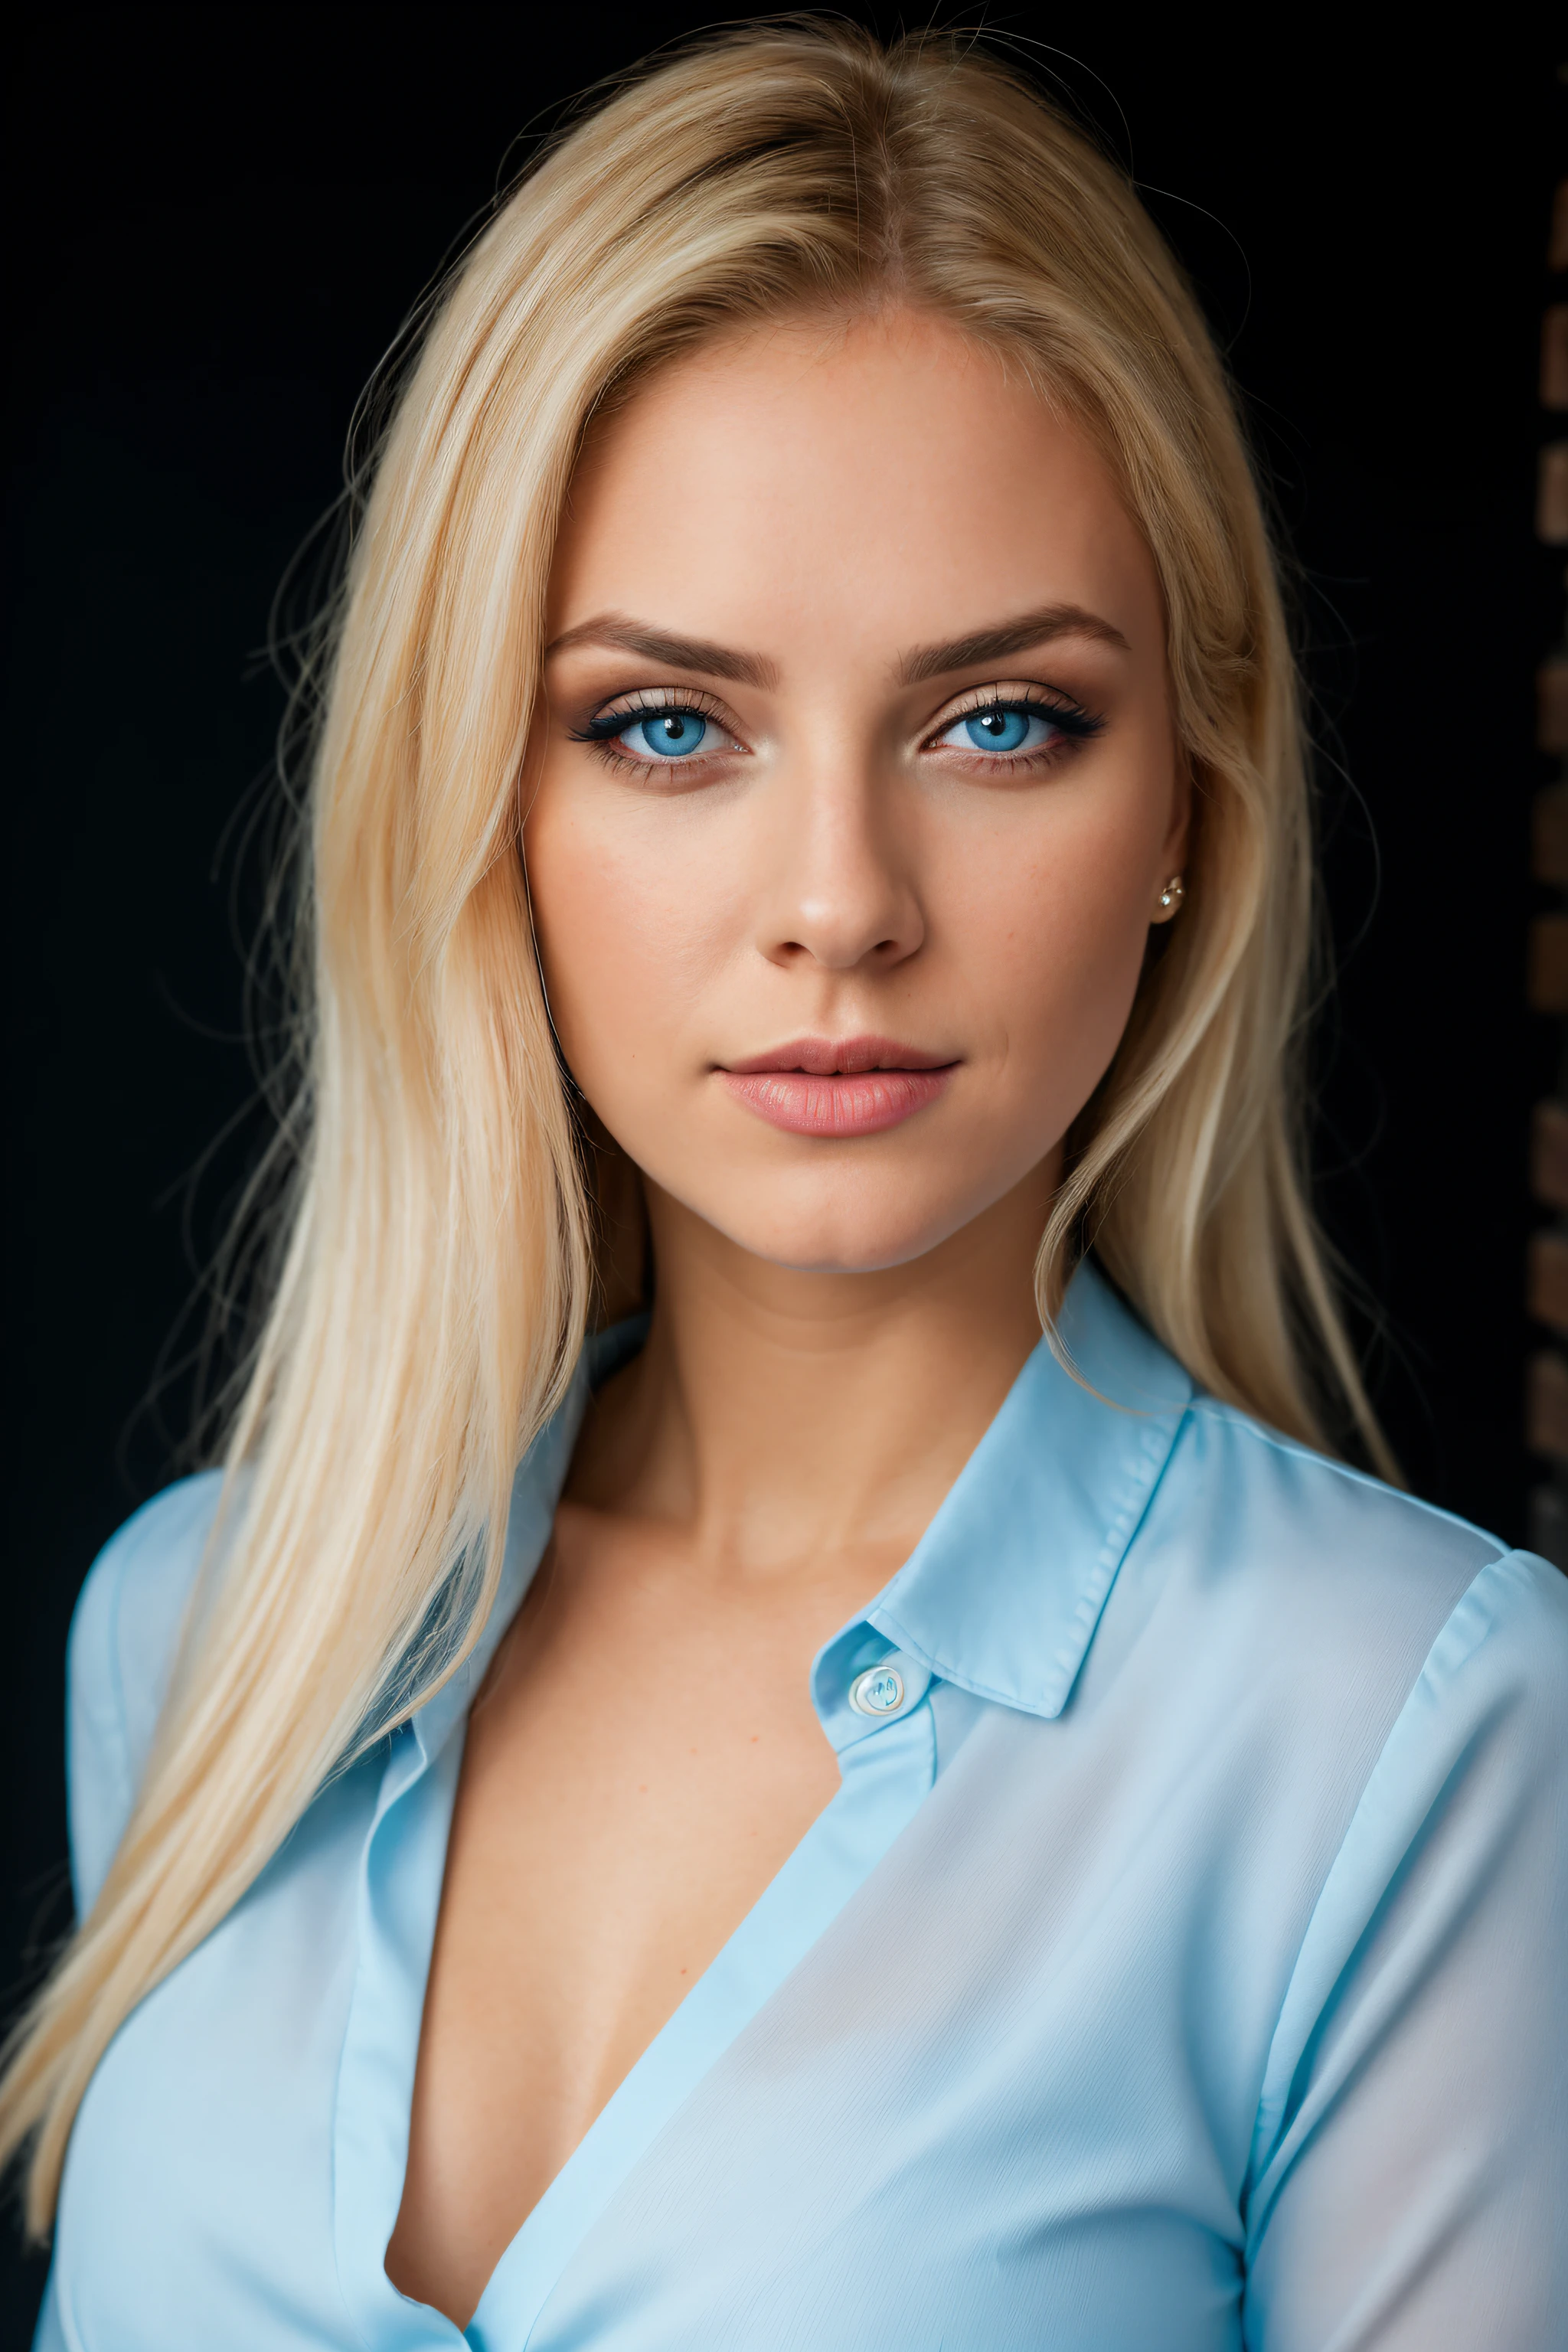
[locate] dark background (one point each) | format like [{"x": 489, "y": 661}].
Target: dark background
[{"x": 218, "y": 217}]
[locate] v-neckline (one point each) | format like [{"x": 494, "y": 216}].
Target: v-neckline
[
  {"x": 887, "y": 1770},
  {"x": 884, "y": 1781}
]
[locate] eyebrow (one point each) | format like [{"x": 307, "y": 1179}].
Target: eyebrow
[
  {"x": 663, "y": 646},
  {"x": 1016, "y": 636},
  {"x": 924, "y": 662}
]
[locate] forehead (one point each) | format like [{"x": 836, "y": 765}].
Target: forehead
[{"x": 884, "y": 472}]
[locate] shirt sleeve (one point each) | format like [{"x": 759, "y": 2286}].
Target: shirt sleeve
[
  {"x": 122, "y": 1639},
  {"x": 1410, "y": 2171}
]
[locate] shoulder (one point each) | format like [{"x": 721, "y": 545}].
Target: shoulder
[
  {"x": 122, "y": 1638},
  {"x": 1288, "y": 1494},
  {"x": 1329, "y": 1591},
  {"x": 128, "y": 1617},
  {"x": 1294, "y": 1517},
  {"x": 1502, "y": 1655},
  {"x": 1392, "y": 1683}
]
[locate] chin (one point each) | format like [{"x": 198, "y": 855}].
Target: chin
[{"x": 858, "y": 1235}]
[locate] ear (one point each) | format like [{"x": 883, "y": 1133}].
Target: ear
[{"x": 1178, "y": 834}]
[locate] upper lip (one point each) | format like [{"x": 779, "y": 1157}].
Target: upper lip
[{"x": 824, "y": 1057}]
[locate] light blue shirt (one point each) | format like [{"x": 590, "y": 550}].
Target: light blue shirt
[{"x": 1179, "y": 1966}]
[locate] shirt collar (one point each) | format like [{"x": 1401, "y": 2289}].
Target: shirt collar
[{"x": 1003, "y": 1593}]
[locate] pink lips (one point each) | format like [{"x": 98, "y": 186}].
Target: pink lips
[{"x": 837, "y": 1087}]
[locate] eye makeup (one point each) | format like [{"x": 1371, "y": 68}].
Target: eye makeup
[
  {"x": 1013, "y": 727},
  {"x": 1017, "y": 727},
  {"x": 655, "y": 728}
]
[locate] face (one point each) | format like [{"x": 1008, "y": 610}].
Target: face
[{"x": 855, "y": 790}]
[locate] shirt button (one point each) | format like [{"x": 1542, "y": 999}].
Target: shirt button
[{"x": 879, "y": 1691}]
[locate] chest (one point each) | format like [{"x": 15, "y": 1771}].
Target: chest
[
  {"x": 615, "y": 1818},
  {"x": 930, "y": 2094},
  {"x": 642, "y": 1762}
]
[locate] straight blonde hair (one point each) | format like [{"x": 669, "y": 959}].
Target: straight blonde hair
[{"x": 434, "y": 1276}]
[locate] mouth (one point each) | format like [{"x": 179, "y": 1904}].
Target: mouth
[{"x": 835, "y": 1087}]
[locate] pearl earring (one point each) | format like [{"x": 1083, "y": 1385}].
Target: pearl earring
[{"x": 1170, "y": 897}]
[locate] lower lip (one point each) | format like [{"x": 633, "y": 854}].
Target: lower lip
[{"x": 857, "y": 1102}]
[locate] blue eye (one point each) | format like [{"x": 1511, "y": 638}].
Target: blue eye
[
  {"x": 1001, "y": 727},
  {"x": 666, "y": 734}
]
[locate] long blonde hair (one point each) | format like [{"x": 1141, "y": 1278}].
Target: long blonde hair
[{"x": 433, "y": 1278}]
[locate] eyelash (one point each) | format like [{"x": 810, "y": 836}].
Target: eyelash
[
  {"x": 602, "y": 730},
  {"x": 1077, "y": 726}
]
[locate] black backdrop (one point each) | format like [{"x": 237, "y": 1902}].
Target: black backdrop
[{"x": 218, "y": 219}]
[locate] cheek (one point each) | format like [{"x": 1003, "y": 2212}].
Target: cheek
[
  {"x": 629, "y": 926},
  {"x": 1056, "y": 936}
]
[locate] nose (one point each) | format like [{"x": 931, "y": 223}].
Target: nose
[{"x": 841, "y": 890}]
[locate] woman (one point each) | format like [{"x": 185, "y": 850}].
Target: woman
[{"x": 929, "y": 1809}]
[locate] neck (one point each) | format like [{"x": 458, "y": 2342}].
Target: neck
[{"x": 782, "y": 1419}]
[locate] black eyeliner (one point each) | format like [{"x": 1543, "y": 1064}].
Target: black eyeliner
[
  {"x": 1070, "y": 717},
  {"x": 605, "y": 726},
  {"x": 1079, "y": 725}
]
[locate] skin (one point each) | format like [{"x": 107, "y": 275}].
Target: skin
[{"x": 837, "y": 1317}]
